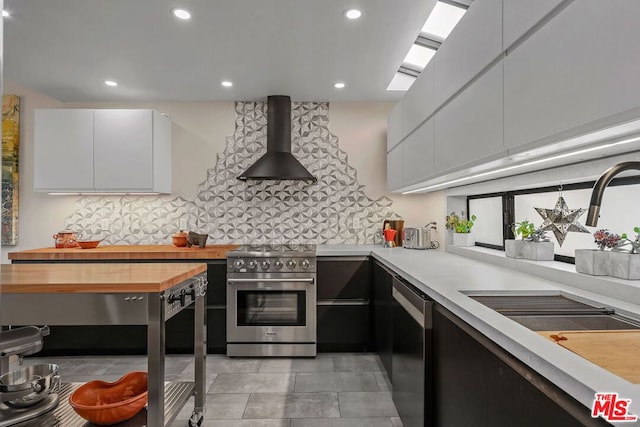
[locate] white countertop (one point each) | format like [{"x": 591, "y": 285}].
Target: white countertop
[{"x": 446, "y": 277}]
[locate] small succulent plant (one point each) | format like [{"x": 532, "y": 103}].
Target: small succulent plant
[
  {"x": 538, "y": 236},
  {"x": 635, "y": 243},
  {"x": 606, "y": 239},
  {"x": 524, "y": 229},
  {"x": 458, "y": 223}
]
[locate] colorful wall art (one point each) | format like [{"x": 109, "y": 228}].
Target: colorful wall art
[{"x": 10, "y": 152}]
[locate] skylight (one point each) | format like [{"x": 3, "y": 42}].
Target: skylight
[
  {"x": 443, "y": 19},
  {"x": 419, "y": 56},
  {"x": 401, "y": 82}
]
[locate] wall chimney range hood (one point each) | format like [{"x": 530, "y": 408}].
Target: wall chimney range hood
[{"x": 278, "y": 163}]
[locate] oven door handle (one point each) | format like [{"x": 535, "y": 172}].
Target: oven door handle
[{"x": 272, "y": 280}]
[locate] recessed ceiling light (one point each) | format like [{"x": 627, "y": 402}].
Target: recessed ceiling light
[
  {"x": 352, "y": 14},
  {"x": 419, "y": 56},
  {"x": 183, "y": 14},
  {"x": 111, "y": 83},
  {"x": 226, "y": 83},
  {"x": 339, "y": 85},
  {"x": 401, "y": 82},
  {"x": 443, "y": 19},
  {"x": 5, "y": 14}
]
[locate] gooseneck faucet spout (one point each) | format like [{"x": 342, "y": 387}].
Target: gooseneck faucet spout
[{"x": 601, "y": 184}]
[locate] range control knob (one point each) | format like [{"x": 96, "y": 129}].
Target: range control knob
[
  {"x": 252, "y": 264},
  {"x": 304, "y": 264},
  {"x": 278, "y": 264},
  {"x": 291, "y": 264},
  {"x": 238, "y": 264},
  {"x": 265, "y": 264}
]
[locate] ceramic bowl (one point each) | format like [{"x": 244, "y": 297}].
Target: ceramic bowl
[
  {"x": 105, "y": 403},
  {"x": 89, "y": 244}
]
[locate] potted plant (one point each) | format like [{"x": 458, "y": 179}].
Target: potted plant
[
  {"x": 533, "y": 245},
  {"x": 461, "y": 228},
  {"x": 596, "y": 262},
  {"x": 623, "y": 264}
]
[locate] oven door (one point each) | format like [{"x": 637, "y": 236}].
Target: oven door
[{"x": 271, "y": 308}]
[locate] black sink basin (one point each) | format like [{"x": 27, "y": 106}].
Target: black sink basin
[
  {"x": 556, "y": 313},
  {"x": 601, "y": 322}
]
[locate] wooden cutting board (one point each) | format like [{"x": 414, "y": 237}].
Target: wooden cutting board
[{"x": 616, "y": 351}]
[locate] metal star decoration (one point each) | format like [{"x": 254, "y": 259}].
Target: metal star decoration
[{"x": 561, "y": 220}]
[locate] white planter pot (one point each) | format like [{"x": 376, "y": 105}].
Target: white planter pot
[
  {"x": 464, "y": 239},
  {"x": 624, "y": 265},
  {"x": 523, "y": 249},
  {"x": 592, "y": 261}
]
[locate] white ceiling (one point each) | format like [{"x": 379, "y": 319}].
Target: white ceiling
[{"x": 67, "y": 48}]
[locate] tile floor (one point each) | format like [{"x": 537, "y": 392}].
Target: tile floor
[{"x": 334, "y": 389}]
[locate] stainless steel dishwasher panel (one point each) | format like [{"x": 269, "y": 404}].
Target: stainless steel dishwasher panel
[{"x": 412, "y": 354}]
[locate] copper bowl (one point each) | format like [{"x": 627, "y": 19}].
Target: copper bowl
[
  {"x": 105, "y": 403},
  {"x": 88, "y": 244}
]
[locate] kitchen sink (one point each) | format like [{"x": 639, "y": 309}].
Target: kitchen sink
[{"x": 556, "y": 313}]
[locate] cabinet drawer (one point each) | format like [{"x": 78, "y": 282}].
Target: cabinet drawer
[
  {"x": 344, "y": 278},
  {"x": 343, "y": 328}
]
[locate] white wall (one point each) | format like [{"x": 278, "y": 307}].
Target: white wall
[{"x": 199, "y": 133}]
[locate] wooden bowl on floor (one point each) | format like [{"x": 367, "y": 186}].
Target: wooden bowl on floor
[{"x": 105, "y": 403}]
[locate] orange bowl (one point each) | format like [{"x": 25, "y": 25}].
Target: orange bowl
[
  {"x": 105, "y": 403},
  {"x": 89, "y": 244}
]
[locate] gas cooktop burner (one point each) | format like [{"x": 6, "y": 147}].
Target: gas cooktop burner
[{"x": 274, "y": 250}]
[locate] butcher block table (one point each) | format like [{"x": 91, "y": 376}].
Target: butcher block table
[
  {"x": 123, "y": 252},
  {"x": 116, "y": 294}
]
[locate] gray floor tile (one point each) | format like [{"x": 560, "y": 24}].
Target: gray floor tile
[
  {"x": 335, "y": 381},
  {"x": 356, "y": 363},
  {"x": 342, "y": 422},
  {"x": 366, "y": 404},
  {"x": 221, "y": 406},
  {"x": 396, "y": 421},
  {"x": 319, "y": 364},
  {"x": 383, "y": 381},
  {"x": 253, "y": 383},
  {"x": 242, "y": 423},
  {"x": 222, "y": 364},
  {"x": 292, "y": 405}
]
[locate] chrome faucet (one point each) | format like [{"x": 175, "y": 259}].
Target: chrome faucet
[{"x": 601, "y": 184}]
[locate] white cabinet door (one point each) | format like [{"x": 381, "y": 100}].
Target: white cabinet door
[
  {"x": 417, "y": 154},
  {"x": 63, "y": 150},
  {"x": 394, "y": 168},
  {"x": 521, "y": 15},
  {"x": 580, "y": 67},
  {"x": 394, "y": 126},
  {"x": 123, "y": 145},
  {"x": 419, "y": 101},
  {"x": 468, "y": 131},
  {"x": 471, "y": 46}
]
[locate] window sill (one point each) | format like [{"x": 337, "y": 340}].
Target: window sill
[{"x": 559, "y": 272}]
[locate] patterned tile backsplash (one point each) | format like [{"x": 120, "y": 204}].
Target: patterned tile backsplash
[{"x": 333, "y": 210}]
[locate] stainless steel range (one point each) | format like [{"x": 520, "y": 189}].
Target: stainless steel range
[{"x": 271, "y": 300}]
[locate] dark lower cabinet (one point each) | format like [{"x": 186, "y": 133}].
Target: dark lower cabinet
[
  {"x": 381, "y": 315},
  {"x": 343, "y": 328},
  {"x": 477, "y": 383},
  {"x": 343, "y": 312}
]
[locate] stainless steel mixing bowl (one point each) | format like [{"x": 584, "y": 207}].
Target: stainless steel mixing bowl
[{"x": 29, "y": 385}]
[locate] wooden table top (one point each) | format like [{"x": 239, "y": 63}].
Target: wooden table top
[
  {"x": 123, "y": 252},
  {"x": 95, "y": 278}
]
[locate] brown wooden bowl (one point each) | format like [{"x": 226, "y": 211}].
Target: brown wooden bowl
[
  {"x": 89, "y": 244},
  {"x": 105, "y": 403}
]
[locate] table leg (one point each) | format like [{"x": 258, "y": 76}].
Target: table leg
[
  {"x": 200, "y": 349},
  {"x": 155, "y": 359}
]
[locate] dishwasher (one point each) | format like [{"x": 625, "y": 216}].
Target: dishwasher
[{"x": 412, "y": 354}]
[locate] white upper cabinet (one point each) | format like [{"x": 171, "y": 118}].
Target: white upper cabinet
[
  {"x": 419, "y": 101},
  {"x": 121, "y": 150},
  {"x": 471, "y": 46},
  {"x": 580, "y": 67},
  {"x": 522, "y": 15},
  {"x": 417, "y": 154},
  {"x": 394, "y": 168},
  {"x": 394, "y": 126},
  {"x": 63, "y": 150},
  {"x": 468, "y": 130}
]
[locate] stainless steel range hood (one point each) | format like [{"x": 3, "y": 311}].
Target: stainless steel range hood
[{"x": 278, "y": 163}]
